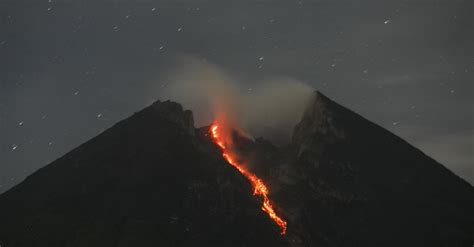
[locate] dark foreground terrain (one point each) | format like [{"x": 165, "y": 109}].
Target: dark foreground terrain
[{"x": 155, "y": 180}]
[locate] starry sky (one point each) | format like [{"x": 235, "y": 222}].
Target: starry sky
[{"x": 70, "y": 69}]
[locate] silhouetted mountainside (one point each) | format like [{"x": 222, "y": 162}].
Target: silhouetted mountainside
[
  {"x": 147, "y": 181},
  {"x": 370, "y": 188},
  {"x": 155, "y": 180}
]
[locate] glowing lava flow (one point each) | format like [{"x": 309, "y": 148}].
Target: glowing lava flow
[{"x": 259, "y": 188}]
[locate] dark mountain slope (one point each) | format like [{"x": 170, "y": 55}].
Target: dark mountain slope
[
  {"x": 367, "y": 187},
  {"x": 150, "y": 180}
]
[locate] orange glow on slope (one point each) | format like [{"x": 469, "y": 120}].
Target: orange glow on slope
[{"x": 259, "y": 188}]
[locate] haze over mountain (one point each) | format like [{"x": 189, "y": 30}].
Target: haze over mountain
[{"x": 155, "y": 179}]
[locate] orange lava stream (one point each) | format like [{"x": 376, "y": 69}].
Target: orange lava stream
[{"x": 259, "y": 188}]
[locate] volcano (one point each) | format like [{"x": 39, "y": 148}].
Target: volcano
[{"x": 154, "y": 179}]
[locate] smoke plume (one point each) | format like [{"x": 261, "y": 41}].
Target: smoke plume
[{"x": 269, "y": 108}]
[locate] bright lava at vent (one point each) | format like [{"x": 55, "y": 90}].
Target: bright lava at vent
[{"x": 259, "y": 188}]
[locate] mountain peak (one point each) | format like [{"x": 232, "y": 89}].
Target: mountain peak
[
  {"x": 319, "y": 96},
  {"x": 318, "y": 121},
  {"x": 174, "y": 113}
]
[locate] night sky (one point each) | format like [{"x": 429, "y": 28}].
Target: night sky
[{"x": 70, "y": 69}]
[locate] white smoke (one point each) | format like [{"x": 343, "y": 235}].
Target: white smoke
[{"x": 268, "y": 108}]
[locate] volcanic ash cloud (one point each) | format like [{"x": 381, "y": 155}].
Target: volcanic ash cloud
[{"x": 268, "y": 108}]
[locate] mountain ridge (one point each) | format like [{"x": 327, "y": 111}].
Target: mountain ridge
[{"x": 154, "y": 179}]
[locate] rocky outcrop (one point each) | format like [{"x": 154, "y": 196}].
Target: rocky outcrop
[
  {"x": 321, "y": 124},
  {"x": 174, "y": 112}
]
